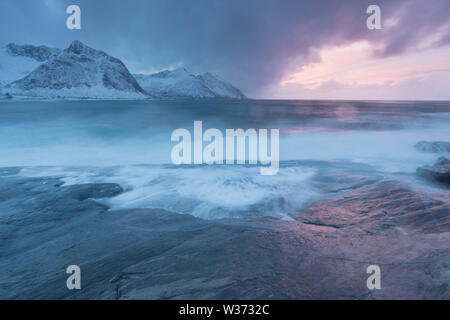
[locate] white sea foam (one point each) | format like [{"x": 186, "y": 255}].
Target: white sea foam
[{"x": 203, "y": 191}]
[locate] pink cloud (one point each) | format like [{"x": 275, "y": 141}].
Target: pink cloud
[{"x": 354, "y": 67}]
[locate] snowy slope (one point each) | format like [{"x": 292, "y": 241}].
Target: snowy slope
[
  {"x": 78, "y": 72},
  {"x": 14, "y": 64},
  {"x": 220, "y": 87},
  {"x": 38, "y": 53},
  {"x": 180, "y": 83}
]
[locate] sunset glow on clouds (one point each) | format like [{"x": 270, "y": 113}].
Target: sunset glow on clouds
[
  {"x": 357, "y": 70},
  {"x": 355, "y": 66}
]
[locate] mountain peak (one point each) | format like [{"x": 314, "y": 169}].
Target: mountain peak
[
  {"x": 79, "y": 47},
  {"x": 180, "y": 83},
  {"x": 180, "y": 71},
  {"x": 78, "y": 72}
]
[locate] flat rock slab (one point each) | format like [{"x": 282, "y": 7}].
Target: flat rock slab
[
  {"x": 322, "y": 253},
  {"x": 378, "y": 207}
]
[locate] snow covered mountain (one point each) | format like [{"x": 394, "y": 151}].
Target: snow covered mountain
[
  {"x": 18, "y": 61},
  {"x": 76, "y": 72},
  {"x": 80, "y": 72},
  {"x": 180, "y": 83}
]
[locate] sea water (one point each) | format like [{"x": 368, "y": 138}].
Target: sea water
[{"x": 128, "y": 142}]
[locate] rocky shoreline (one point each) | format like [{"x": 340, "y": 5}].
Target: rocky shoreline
[
  {"x": 439, "y": 172},
  {"x": 322, "y": 252}
]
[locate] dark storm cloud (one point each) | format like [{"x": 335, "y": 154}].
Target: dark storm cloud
[{"x": 253, "y": 43}]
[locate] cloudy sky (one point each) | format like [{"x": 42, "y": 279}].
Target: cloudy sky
[{"x": 269, "y": 48}]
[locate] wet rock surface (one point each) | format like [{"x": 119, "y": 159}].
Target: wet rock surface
[
  {"x": 321, "y": 253},
  {"x": 377, "y": 208},
  {"x": 440, "y": 171}
]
